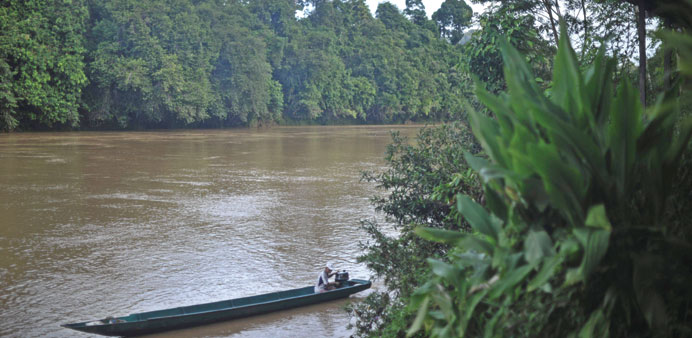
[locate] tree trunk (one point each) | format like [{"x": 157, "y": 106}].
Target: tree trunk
[
  {"x": 586, "y": 30},
  {"x": 667, "y": 60},
  {"x": 641, "y": 31},
  {"x": 549, "y": 8}
]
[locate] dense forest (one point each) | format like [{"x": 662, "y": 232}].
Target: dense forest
[
  {"x": 123, "y": 64},
  {"x": 186, "y": 63}
]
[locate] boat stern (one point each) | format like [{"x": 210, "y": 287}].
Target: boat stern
[{"x": 362, "y": 282}]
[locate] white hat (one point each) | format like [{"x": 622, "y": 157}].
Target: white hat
[{"x": 329, "y": 265}]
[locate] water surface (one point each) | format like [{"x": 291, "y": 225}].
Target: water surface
[{"x": 99, "y": 224}]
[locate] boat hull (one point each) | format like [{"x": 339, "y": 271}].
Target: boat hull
[{"x": 182, "y": 317}]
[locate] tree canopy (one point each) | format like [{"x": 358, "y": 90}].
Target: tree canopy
[
  {"x": 179, "y": 63},
  {"x": 124, "y": 64}
]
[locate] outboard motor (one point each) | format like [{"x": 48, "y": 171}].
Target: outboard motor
[{"x": 341, "y": 278}]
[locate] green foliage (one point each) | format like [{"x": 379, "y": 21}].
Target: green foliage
[
  {"x": 41, "y": 62},
  {"x": 148, "y": 63},
  {"x": 415, "y": 10},
  {"x": 398, "y": 255},
  {"x": 211, "y": 63},
  {"x": 345, "y": 65},
  {"x": 452, "y": 18},
  {"x": 483, "y": 58},
  {"x": 8, "y": 103},
  {"x": 583, "y": 235}
]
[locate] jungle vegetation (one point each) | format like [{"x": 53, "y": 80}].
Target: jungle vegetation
[
  {"x": 126, "y": 64},
  {"x": 560, "y": 206},
  {"x": 555, "y": 202}
]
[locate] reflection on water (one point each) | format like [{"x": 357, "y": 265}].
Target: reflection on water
[{"x": 99, "y": 224}]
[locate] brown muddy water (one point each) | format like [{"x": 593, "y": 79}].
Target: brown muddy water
[{"x": 100, "y": 224}]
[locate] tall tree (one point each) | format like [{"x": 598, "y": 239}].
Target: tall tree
[
  {"x": 279, "y": 15},
  {"x": 415, "y": 10},
  {"x": 390, "y": 16},
  {"x": 641, "y": 33},
  {"x": 452, "y": 18},
  {"x": 546, "y": 13},
  {"x": 483, "y": 58}
]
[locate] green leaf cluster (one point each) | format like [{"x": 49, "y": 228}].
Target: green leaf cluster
[{"x": 579, "y": 234}]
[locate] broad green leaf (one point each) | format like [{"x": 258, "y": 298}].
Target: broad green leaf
[
  {"x": 572, "y": 276},
  {"x": 498, "y": 106},
  {"x": 596, "y": 248},
  {"x": 597, "y": 218},
  {"x": 509, "y": 279},
  {"x": 486, "y": 131},
  {"x": 478, "y": 244},
  {"x": 595, "y": 239},
  {"x": 582, "y": 235},
  {"x": 578, "y": 144},
  {"x": 499, "y": 257},
  {"x": 625, "y": 128},
  {"x": 562, "y": 182},
  {"x": 440, "y": 235},
  {"x": 496, "y": 205},
  {"x": 683, "y": 42},
  {"x": 567, "y": 81},
  {"x": 569, "y": 248},
  {"x": 469, "y": 258},
  {"x": 493, "y": 172},
  {"x": 536, "y": 246},
  {"x": 443, "y": 301},
  {"x": 599, "y": 89},
  {"x": 420, "y": 293},
  {"x": 520, "y": 81},
  {"x": 547, "y": 271},
  {"x": 445, "y": 270},
  {"x": 420, "y": 318},
  {"x": 476, "y": 163},
  {"x": 521, "y": 161},
  {"x": 478, "y": 218},
  {"x": 435, "y": 314},
  {"x": 521, "y": 136}
]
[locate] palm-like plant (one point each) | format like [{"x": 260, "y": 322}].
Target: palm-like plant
[{"x": 578, "y": 236}]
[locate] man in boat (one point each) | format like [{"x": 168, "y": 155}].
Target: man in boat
[{"x": 323, "y": 283}]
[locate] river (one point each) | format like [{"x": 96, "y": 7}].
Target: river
[{"x": 94, "y": 224}]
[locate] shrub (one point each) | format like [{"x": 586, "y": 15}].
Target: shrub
[{"x": 397, "y": 256}]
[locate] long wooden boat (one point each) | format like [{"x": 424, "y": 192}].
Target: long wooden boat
[{"x": 187, "y": 316}]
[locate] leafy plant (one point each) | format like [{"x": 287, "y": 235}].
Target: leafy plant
[
  {"x": 579, "y": 236},
  {"x": 411, "y": 198}
]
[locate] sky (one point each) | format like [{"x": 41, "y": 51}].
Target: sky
[{"x": 430, "y": 5}]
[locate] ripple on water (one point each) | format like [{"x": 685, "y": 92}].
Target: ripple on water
[{"x": 180, "y": 218}]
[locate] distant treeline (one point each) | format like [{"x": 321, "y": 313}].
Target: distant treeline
[{"x": 129, "y": 64}]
